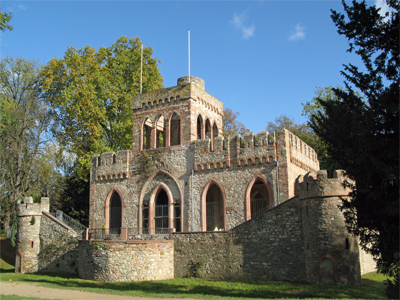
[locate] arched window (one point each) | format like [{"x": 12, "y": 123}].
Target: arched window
[
  {"x": 175, "y": 130},
  {"x": 114, "y": 159},
  {"x": 214, "y": 209},
  {"x": 115, "y": 212},
  {"x": 147, "y": 128},
  {"x": 199, "y": 126},
  {"x": 208, "y": 129},
  {"x": 160, "y": 132},
  {"x": 99, "y": 161},
  {"x": 257, "y": 197}
]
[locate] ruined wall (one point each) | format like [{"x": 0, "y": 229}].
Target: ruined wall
[
  {"x": 58, "y": 246},
  {"x": 267, "y": 247},
  {"x": 129, "y": 261}
]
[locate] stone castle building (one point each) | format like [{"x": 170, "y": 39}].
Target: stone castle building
[
  {"x": 185, "y": 196},
  {"x": 201, "y": 181}
]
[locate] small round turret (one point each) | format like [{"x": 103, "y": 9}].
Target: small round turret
[{"x": 199, "y": 82}]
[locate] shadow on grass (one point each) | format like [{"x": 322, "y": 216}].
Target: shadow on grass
[
  {"x": 211, "y": 288},
  {"x": 6, "y": 270}
]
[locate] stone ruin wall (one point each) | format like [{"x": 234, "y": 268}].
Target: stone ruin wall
[
  {"x": 267, "y": 247},
  {"x": 58, "y": 246},
  {"x": 126, "y": 261}
]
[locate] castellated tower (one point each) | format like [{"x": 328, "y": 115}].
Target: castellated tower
[
  {"x": 28, "y": 242},
  {"x": 332, "y": 255}
]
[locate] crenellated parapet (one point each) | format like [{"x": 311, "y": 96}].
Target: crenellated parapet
[
  {"x": 319, "y": 184},
  {"x": 234, "y": 150},
  {"x": 111, "y": 165},
  {"x": 302, "y": 155},
  {"x": 28, "y": 208},
  {"x": 173, "y": 95}
]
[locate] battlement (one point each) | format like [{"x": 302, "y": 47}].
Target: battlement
[
  {"x": 27, "y": 208},
  {"x": 111, "y": 165},
  {"x": 235, "y": 149},
  {"x": 173, "y": 95},
  {"x": 318, "y": 184}
]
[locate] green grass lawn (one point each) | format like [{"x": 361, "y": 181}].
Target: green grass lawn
[{"x": 372, "y": 287}]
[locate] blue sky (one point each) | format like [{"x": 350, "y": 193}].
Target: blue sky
[{"x": 260, "y": 58}]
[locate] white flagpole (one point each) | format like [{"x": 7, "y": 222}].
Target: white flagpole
[
  {"x": 141, "y": 67},
  {"x": 189, "y": 51}
]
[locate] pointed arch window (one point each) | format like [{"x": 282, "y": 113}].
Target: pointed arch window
[
  {"x": 146, "y": 138},
  {"x": 160, "y": 132},
  {"x": 214, "y": 209},
  {"x": 115, "y": 220},
  {"x": 258, "y": 197},
  {"x": 208, "y": 129},
  {"x": 175, "y": 129},
  {"x": 199, "y": 127}
]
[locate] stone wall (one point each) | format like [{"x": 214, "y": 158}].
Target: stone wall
[
  {"x": 126, "y": 261},
  {"x": 58, "y": 247},
  {"x": 267, "y": 247}
]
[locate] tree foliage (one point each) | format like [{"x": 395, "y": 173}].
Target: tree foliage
[
  {"x": 231, "y": 124},
  {"x": 361, "y": 130},
  {"x": 23, "y": 121},
  {"x": 90, "y": 94},
  {"x": 5, "y": 18}
]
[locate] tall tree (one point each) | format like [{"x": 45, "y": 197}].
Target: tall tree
[
  {"x": 361, "y": 131},
  {"x": 90, "y": 92},
  {"x": 23, "y": 120},
  {"x": 231, "y": 124}
]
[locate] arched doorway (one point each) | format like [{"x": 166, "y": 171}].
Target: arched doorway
[
  {"x": 115, "y": 220},
  {"x": 214, "y": 209},
  {"x": 327, "y": 269},
  {"x": 161, "y": 210}
]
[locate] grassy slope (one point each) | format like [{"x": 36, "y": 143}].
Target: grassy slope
[{"x": 371, "y": 288}]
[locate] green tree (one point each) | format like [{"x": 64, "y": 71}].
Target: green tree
[
  {"x": 23, "y": 121},
  {"x": 5, "y": 18},
  {"x": 231, "y": 124},
  {"x": 361, "y": 130},
  {"x": 90, "y": 92}
]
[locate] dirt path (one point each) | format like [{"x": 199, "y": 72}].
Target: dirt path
[{"x": 32, "y": 290}]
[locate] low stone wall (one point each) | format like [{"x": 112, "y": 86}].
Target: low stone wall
[
  {"x": 58, "y": 246},
  {"x": 268, "y": 247},
  {"x": 126, "y": 261}
]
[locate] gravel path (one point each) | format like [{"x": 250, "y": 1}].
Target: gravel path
[{"x": 33, "y": 290}]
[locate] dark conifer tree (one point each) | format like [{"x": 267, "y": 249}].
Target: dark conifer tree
[{"x": 361, "y": 130}]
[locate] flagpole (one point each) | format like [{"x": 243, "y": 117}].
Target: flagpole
[
  {"x": 189, "y": 51},
  {"x": 141, "y": 66}
]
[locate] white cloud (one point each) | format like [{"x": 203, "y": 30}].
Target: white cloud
[
  {"x": 247, "y": 31},
  {"x": 298, "y": 33},
  {"x": 21, "y": 7}
]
